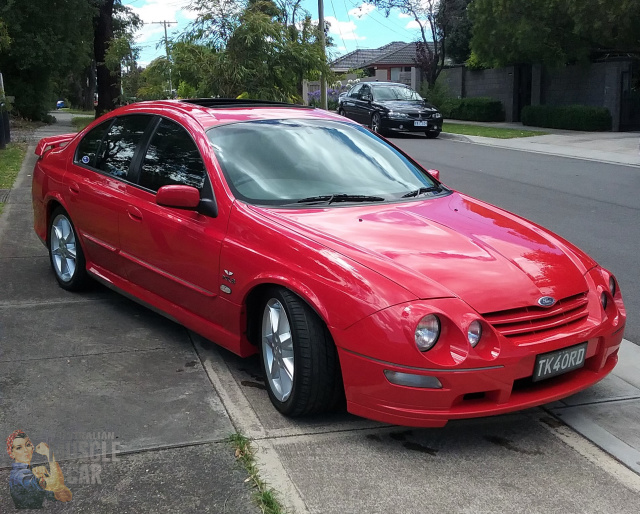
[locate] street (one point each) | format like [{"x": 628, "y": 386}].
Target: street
[{"x": 591, "y": 204}]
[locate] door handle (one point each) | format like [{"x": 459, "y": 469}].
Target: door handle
[
  {"x": 134, "y": 213},
  {"x": 74, "y": 188}
]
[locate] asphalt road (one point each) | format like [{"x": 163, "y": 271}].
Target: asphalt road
[{"x": 593, "y": 205}]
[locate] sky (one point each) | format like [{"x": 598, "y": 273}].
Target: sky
[{"x": 353, "y": 25}]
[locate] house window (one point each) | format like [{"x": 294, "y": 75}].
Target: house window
[
  {"x": 395, "y": 74},
  {"x": 407, "y": 68}
]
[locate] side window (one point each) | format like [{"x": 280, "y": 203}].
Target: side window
[
  {"x": 365, "y": 92},
  {"x": 172, "y": 159},
  {"x": 120, "y": 144},
  {"x": 355, "y": 91},
  {"x": 90, "y": 144}
]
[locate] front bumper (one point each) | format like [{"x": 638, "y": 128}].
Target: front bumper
[
  {"x": 485, "y": 382},
  {"x": 408, "y": 125}
]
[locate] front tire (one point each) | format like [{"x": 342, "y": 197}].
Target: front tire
[
  {"x": 432, "y": 135},
  {"x": 65, "y": 252},
  {"x": 376, "y": 124},
  {"x": 299, "y": 358}
]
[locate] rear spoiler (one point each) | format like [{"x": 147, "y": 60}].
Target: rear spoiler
[{"x": 49, "y": 143}]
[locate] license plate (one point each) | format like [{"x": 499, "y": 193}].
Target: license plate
[
  {"x": 561, "y": 361},
  {"x": 420, "y": 123}
]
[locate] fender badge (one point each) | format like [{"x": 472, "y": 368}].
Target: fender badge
[
  {"x": 225, "y": 289},
  {"x": 546, "y": 301}
]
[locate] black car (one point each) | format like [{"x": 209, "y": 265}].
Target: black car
[{"x": 388, "y": 106}]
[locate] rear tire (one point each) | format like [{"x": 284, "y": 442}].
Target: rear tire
[
  {"x": 432, "y": 135},
  {"x": 341, "y": 112},
  {"x": 299, "y": 357},
  {"x": 65, "y": 253}
]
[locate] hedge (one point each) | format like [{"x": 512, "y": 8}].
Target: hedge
[
  {"x": 570, "y": 117},
  {"x": 473, "y": 109}
]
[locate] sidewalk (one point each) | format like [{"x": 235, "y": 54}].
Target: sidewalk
[
  {"x": 93, "y": 368},
  {"x": 609, "y": 147}
]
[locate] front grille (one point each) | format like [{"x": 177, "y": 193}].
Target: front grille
[
  {"x": 527, "y": 323},
  {"x": 416, "y": 116}
]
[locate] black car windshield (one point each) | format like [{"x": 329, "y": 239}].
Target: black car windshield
[
  {"x": 293, "y": 161},
  {"x": 383, "y": 93}
]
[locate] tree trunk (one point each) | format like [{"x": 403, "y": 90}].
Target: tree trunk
[
  {"x": 89, "y": 87},
  {"x": 108, "y": 88}
]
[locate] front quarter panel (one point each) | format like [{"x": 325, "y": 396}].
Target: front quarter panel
[{"x": 257, "y": 251}]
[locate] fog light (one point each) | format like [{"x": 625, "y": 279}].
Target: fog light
[
  {"x": 612, "y": 285},
  {"x": 603, "y": 300},
  {"x": 427, "y": 332},
  {"x": 411, "y": 380},
  {"x": 474, "y": 333}
]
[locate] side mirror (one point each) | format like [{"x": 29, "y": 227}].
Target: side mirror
[
  {"x": 368, "y": 98},
  {"x": 435, "y": 174},
  {"x": 179, "y": 197}
]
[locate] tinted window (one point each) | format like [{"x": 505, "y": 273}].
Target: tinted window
[
  {"x": 172, "y": 159},
  {"x": 354, "y": 92},
  {"x": 282, "y": 161},
  {"x": 118, "y": 147},
  {"x": 88, "y": 147}
]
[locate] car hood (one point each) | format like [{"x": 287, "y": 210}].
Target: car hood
[
  {"x": 406, "y": 106},
  {"x": 449, "y": 246}
]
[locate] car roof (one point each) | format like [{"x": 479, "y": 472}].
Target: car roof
[
  {"x": 209, "y": 112},
  {"x": 386, "y": 84}
]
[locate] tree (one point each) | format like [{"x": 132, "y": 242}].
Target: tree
[
  {"x": 553, "y": 32},
  {"x": 262, "y": 51},
  {"x": 46, "y": 44},
  {"x": 435, "y": 20},
  {"x": 458, "y": 41},
  {"x": 107, "y": 82}
]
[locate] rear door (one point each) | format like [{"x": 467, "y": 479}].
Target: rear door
[
  {"x": 96, "y": 183},
  {"x": 349, "y": 103},
  {"x": 172, "y": 253}
]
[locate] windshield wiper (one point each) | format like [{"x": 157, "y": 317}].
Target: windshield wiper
[
  {"x": 423, "y": 190},
  {"x": 340, "y": 198}
]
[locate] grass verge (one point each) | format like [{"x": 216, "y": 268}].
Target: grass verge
[
  {"x": 10, "y": 161},
  {"x": 77, "y": 111},
  {"x": 80, "y": 122},
  {"x": 265, "y": 497},
  {"x": 495, "y": 132}
]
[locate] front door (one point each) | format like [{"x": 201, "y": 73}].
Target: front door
[{"x": 172, "y": 253}]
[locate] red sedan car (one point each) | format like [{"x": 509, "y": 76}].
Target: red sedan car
[{"x": 354, "y": 272}]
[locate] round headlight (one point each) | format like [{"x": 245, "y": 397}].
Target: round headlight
[
  {"x": 603, "y": 300},
  {"x": 612, "y": 285},
  {"x": 474, "y": 333},
  {"x": 427, "y": 332}
]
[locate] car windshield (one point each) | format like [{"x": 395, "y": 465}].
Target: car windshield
[
  {"x": 280, "y": 162},
  {"x": 395, "y": 93}
]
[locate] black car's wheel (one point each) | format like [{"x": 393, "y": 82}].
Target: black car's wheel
[
  {"x": 65, "y": 252},
  {"x": 432, "y": 135},
  {"x": 299, "y": 358},
  {"x": 376, "y": 124},
  {"x": 341, "y": 112}
]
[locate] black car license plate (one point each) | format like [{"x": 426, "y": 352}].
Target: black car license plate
[{"x": 561, "y": 361}]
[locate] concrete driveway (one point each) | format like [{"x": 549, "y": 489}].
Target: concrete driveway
[{"x": 97, "y": 367}]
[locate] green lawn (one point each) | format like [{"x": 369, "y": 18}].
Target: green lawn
[
  {"x": 479, "y": 130},
  {"x": 10, "y": 162},
  {"x": 80, "y": 122}
]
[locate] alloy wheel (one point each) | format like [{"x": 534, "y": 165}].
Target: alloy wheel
[
  {"x": 277, "y": 349},
  {"x": 63, "y": 248}
]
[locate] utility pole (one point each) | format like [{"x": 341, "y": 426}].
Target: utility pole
[
  {"x": 323, "y": 79},
  {"x": 166, "y": 47}
]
